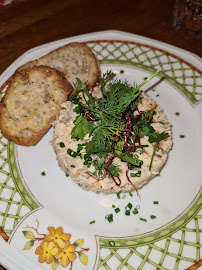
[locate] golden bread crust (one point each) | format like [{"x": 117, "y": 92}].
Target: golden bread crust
[
  {"x": 73, "y": 60},
  {"x": 31, "y": 103}
]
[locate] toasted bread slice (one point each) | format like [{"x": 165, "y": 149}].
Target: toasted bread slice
[
  {"x": 73, "y": 60},
  {"x": 31, "y": 103}
]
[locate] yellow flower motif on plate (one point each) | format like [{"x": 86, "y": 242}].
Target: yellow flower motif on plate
[
  {"x": 57, "y": 236},
  {"x": 46, "y": 252},
  {"x": 55, "y": 247},
  {"x": 66, "y": 255}
]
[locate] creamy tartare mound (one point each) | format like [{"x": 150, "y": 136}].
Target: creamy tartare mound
[{"x": 136, "y": 177}]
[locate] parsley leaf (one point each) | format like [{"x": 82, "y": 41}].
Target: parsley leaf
[
  {"x": 155, "y": 137},
  {"x": 147, "y": 129},
  {"x": 82, "y": 127}
]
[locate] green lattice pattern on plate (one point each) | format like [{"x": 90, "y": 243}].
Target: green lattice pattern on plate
[
  {"x": 179, "y": 74},
  {"x": 15, "y": 201},
  {"x": 156, "y": 252}
]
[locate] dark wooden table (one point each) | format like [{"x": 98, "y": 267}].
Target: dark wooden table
[{"x": 25, "y": 24}]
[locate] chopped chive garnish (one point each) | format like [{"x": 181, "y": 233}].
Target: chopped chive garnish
[
  {"x": 131, "y": 194},
  {"x": 92, "y": 222},
  {"x": 135, "y": 211},
  {"x": 62, "y": 145},
  {"x": 71, "y": 153},
  {"x": 182, "y": 136},
  {"x": 138, "y": 174},
  {"x": 129, "y": 206},
  {"x": 124, "y": 196},
  {"x": 117, "y": 210},
  {"x": 113, "y": 206},
  {"x": 73, "y": 166},
  {"x": 154, "y": 150},
  {"x": 109, "y": 217},
  {"x": 143, "y": 219},
  {"x": 145, "y": 78},
  {"x": 157, "y": 95},
  {"x": 156, "y": 202},
  {"x": 79, "y": 147},
  {"x": 144, "y": 145},
  {"x": 67, "y": 174},
  {"x": 118, "y": 196},
  {"x": 152, "y": 217},
  {"x": 127, "y": 213},
  {"x": 121, "y": 71},
  {"x": 43, "y": 173},
  {"x": 177, "y": 113}
]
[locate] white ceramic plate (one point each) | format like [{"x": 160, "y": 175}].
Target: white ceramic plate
[{"x": 31, "y": 203}]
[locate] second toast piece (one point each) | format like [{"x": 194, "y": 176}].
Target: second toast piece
[
  {"x": 31, "y": 103},
  {"x": 73, "y": 60}
]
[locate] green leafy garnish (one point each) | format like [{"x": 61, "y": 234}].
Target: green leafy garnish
[
  {"x": 154, "y": 137},
  {"x": 82, "y": 127},
  {"x": 114, "y": 126}
]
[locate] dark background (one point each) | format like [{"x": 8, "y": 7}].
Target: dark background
[{"x": 25, "y": 24}]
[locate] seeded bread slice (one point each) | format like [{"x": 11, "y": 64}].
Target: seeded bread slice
[
  {"x": 73, "y": 60},
  {"x": 31, "y": 103}
]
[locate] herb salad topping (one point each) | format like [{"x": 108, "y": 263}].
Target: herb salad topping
[{"x": 115, "y": 127}]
